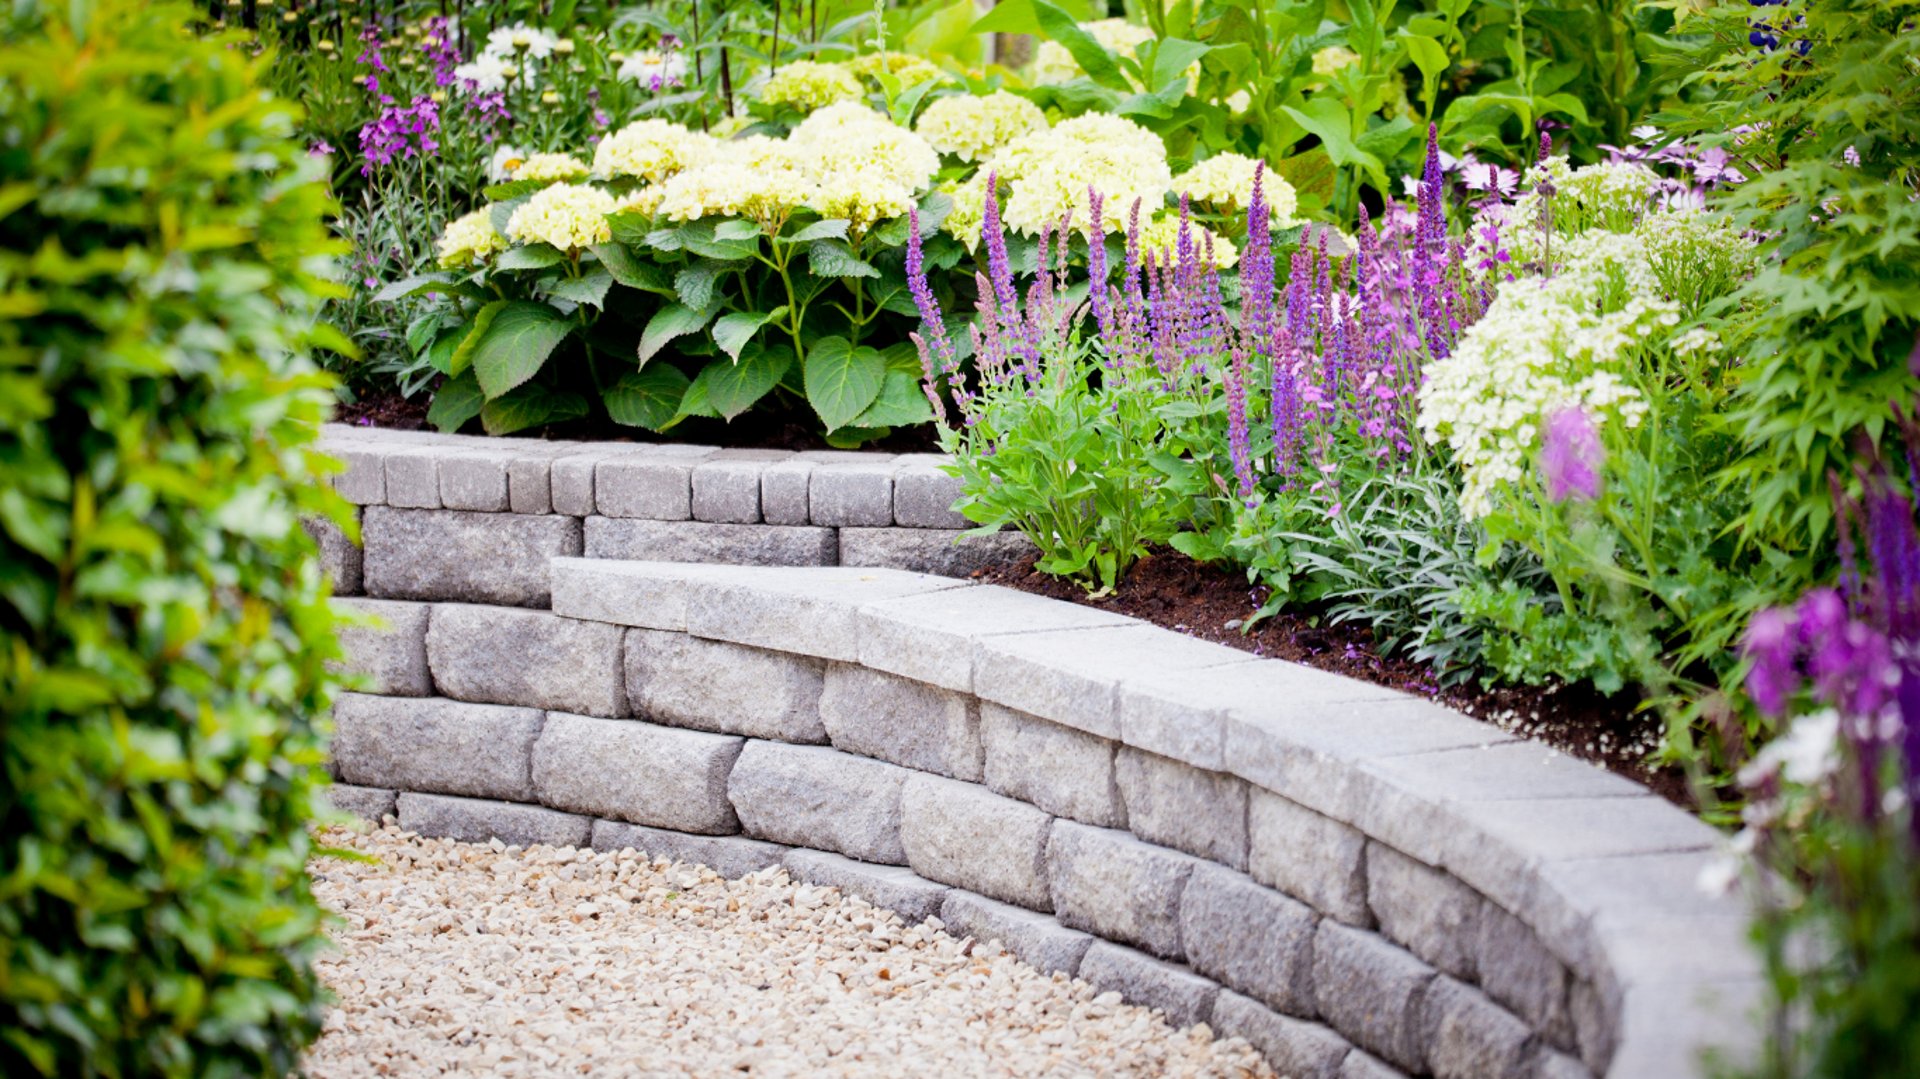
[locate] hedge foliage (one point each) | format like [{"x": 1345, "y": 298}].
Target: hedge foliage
[{"x": 163, "y": 625}]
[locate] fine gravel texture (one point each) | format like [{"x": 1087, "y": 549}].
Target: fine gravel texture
[{"x": 457, "y": 958}]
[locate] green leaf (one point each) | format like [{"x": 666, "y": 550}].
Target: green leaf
[
  {"x": 456, "y": 402},
  {"x": 516, "y": 345},
  {"x": 590, "y": 289},
  {"x": 462, "y": 356},
  {"x": 842, "y": 380},
  {"x": 530, "y": 405},
  {"x": 671, "y": 321},
  {"x": 732, "y": 388},
  {"x": 530, "y": 257},
  {"x": 833, "y": 228},
  {"x": 649, "y": 398},
  {"x": 732, "y": 331},
  {"x": 632, "y": 270},
  {"x": 901, "y": 403},
  {"x": 832, "y": 258}
]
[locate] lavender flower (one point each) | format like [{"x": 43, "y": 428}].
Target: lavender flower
[{"x": 1572, "y": 456}]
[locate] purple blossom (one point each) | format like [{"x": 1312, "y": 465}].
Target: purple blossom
[{"x": 1571, "y": 456}]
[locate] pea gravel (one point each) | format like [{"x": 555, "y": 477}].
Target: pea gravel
[{"x": 457, "y": 958}]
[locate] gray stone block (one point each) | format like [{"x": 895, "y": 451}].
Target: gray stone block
[
  {"x": 1037, "y": 939},
  {"x": 391, "y": 653},
  {"x": 783, "y": 492},
  {"x": 726, "y": 688},
  {"x": 570, "y": 479},
  {"x": 924, "y": 492},
  {"x": 1071, "y": 676},
  {"x": 1180, "y": 806},
  {"x": 446, "y": 747},
  {"x": 368, "y": 803},
  {"x": 1425, "y": 910},
  {"x": 648, "y": 484},
  {"x": 1056, "y": 768},
  {"x": 812, "y": 796},
  {"x": 730, "y": 856},
  {"x": 1370, "y": 991},
  {"x": 364, "y": 482},
  {"x": 413, "y": 477},
  {"x": 700, "y": 541},
  {"x": 926, "y": 550},
  {"x": 930, "y": 637},
  {"x": 1294, "y": 1047},
  {"x": 1313, "y": 858},
  {"x": 474, "y": 479},
  {"x": 636, "y": 772},
  {"x": 1470, "y": 1037},
  {"x": 1517, "y": 970},
  {"x": 533, "y": 659},
  {"x": 1360, "y": 1065},
  {"x": 852, "y": 493},
  {"x": 475, "y": 820},
  {"x": 1249, "y": 938},
  {"x": 906, "y": 893},
  {"x": 1185, "y": 997},
  {"x": 726, "y": 487},
  {"x": 1115, "y": 886},
  {"x": 339, "y": 556},
  {"x": 902, "y": 721},
  {"x": 464, "y": 557},
  {"x": 963, "y": 835}
]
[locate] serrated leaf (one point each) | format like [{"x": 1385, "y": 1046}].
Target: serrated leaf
[
  {"x": 732, "y": 331},
  {"x": 901, "y": 403},
  {"x": 462, "y": 356},
  {"x": 732, "y": 388},
  {"x": 842, "y": 380},
  {"x": 832, "y": 258},
  {"x": 649, "y": 398},
  {"x": 671, "y": 321},
  {"x": 590, "y": 289},
  {"x": 530, "y": 405},
  {"x": 530, "y": 257},
  {"x": 632, "y": 270},
  {"x": 456, "y": 402},
  {"x": 516, "y": 345},
  {"x": 833, "y": 228}
]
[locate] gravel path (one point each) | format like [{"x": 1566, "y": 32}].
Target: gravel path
[{"x": 456, "y": 958}]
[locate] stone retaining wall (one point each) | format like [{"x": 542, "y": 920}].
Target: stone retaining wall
[
  {"x": 1360, "y": 882},
  {"x": 476, "y": 519}
]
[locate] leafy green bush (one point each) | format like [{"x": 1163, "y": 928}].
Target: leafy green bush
[{"x": 163, "y": 626}]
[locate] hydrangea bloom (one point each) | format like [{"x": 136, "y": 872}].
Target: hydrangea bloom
[
  {"x": 970, "y": 128},
  {"x": 568, "y": 216},
  {"x": 470, "y": 239},
  {"x": 547, "y": 168},
  {"x": 1224, "y": 182},
  {"x": 809, "y": 84},
  {"x": 651, "y": 150}
]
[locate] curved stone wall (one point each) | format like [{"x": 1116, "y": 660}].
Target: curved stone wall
[{"x": 1360, "y": 882}]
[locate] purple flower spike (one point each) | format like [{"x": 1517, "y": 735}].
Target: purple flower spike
[{"x": 1572, "y": 457}]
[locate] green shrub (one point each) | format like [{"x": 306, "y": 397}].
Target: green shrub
[{"x": 163, "y": 625}]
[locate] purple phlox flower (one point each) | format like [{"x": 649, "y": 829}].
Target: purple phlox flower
[{"x": 1571, "y": 456}]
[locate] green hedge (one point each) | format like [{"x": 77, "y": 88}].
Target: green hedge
[{"x": 163, "y": 626}]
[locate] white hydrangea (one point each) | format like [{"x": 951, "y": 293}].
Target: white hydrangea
[
  {"x": 1051, "y": 171},
  {"x": 651, "y": 150},
  {"x": 1224, "y": 183},
  {"x": 470, "y": 239},
  {"x": 1565, "y": 341},
  {"x": 550, "y": 167},
  {"x": 809, "y": 84},
  {"x": 970, "y": 128},
  {"x": 568, "y": 216}
]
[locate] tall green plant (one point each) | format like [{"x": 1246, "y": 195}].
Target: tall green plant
[{"x": 163, "y": 626}]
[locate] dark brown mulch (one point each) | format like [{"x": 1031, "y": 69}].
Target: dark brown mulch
[{"x": 1213, "y": 603}]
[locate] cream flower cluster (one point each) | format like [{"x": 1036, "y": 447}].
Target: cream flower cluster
[
  {"x": 470, "y": 239},
  {"x": 911, "y": 70},
  {"x": 1160, "y": 240},
  {"x": 568, "y": 216},
  {"x": 1224, "y": 183},
  {"x": 1566, "y": 341},
  {"x": 1051, "y": 171},
  {"x": 651, "y": 150},
  {"x": 809, "y": 84},
  {"x": 548, "y": 168},
  {"x": 970, "y": 128}
]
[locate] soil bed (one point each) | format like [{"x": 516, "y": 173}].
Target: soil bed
[{"x": 1172, "y": 591}]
